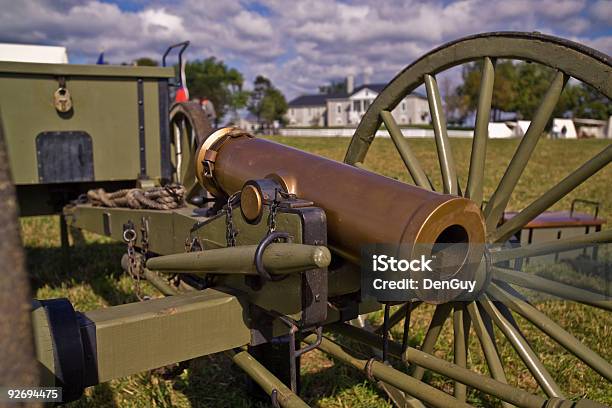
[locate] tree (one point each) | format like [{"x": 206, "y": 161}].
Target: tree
[
  {"x": 146, "y": 62},
  {"x": 267, "y": 102},
  {"x": 273, "y": 107},
  {"x": 453, "y": 102},
  {"x": 214, "y": 80},
  {"x": 531, "y": 83},
  {"x": 582, "y": 101},
  {"x": 261, "y": 84},
  {"x": 504, "y": 91},
  {"x": 520, "y": 87}
]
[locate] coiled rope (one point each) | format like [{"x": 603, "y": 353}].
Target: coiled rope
[{"x": 157, "y": 198}]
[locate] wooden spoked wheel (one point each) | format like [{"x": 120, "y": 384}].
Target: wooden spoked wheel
[
  {"x": 501, "y": 302},
  {"x": 189, "y": 126}
]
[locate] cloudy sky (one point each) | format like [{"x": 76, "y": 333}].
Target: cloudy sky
[{"x": 298, "y": 44}]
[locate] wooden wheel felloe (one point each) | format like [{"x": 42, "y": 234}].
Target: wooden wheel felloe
[{"x": 500, "y": 302}]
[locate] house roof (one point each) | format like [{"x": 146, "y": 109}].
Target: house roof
[
  {"x": 321, "y": 98},
  {"x": 375, "y": 87},
  {"x": 315, "y": 99}
]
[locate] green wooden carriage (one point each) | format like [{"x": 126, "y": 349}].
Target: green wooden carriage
[{"x": 69, "y": 128}]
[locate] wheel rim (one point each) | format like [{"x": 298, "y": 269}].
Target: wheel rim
[
  {"x": 189, "y": 126},
  {"x": 497, "y": 305}
]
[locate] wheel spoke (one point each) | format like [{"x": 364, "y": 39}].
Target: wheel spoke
[
  {"x": 487, "y": 344},
  {"x": 499, "y": 200},
  {"x": 474, "y": 189},
  {"x": 379, "y": 371},
  {"x": 445, "y": 156},
  {"x": 549, "y": 327},
  {"x": 475, "y": 380},
  {"x": 184, "y": 135},
  {"x": 177, "y": 149},
  {"x": 433, "y": 332},
  {"x": 400, "y": 398},
  {"x": 523, "y": 349},
  {"x": 410, "y": 160},
  {"x": 551, "y": 287},
  {"x": 553, "y": 195},
  {"x": 560, "y": 245},
  {"x": 461, "y": 330}
]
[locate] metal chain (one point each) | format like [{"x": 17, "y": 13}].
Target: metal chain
[
  {"x": 272, "y": 215},
  {"x": 274, "y": 208},
  {"x": 134, "y": 266},
  {"x": 230, "y": 233},
  {"x": 144, "y": 236},
  {"x": 144, "y": 239}
]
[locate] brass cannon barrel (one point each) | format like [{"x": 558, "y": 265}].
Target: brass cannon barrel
[{"x": 361, "y": 207}]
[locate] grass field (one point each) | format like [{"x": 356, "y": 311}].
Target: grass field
[{"x": 95, "y": 280}]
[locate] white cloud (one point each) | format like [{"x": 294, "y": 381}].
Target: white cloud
[
  {"x": 158, "y": 21},
  {"x": 602, "y": 10},
  {"x": 577, "y": 25},
  {"x": 253, "y": 25}
]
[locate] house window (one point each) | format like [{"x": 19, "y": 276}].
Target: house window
[
  {"x": 357, "y": 106},
  {"x": 403, "y": 106},
  {"x": 367, "y": 104},
  {"x": 339, "y": 108},
  {"x": 309, "y": 113}
]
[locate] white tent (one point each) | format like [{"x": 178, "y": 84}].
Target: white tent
[
  {"x": 33, "y": 53},
  {"x": 499, "y": 130},
  {"x": 563, "y": 129}
]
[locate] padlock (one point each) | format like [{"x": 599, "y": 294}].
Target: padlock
[{"x": 62, "y": 100}]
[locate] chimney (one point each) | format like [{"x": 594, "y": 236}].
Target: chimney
[{"x": 350, "y": 83}]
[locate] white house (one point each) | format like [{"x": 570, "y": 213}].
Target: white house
[
  {"x": 308, "y": 110},
  {"x": 347, "y": 108},
  {"x": 247, "y": 122}
]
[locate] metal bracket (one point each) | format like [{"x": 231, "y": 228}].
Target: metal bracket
[
  {"x": 594, "y": 204},
  {"x": 274, "y": 398},
  {"x": 314, "y": 281},
  {"x": 129, "y": 231},
  {"x": 294, "y": 353},
  {"x": 385, "y": 345},
  {"x": 141, "y": 129}
]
